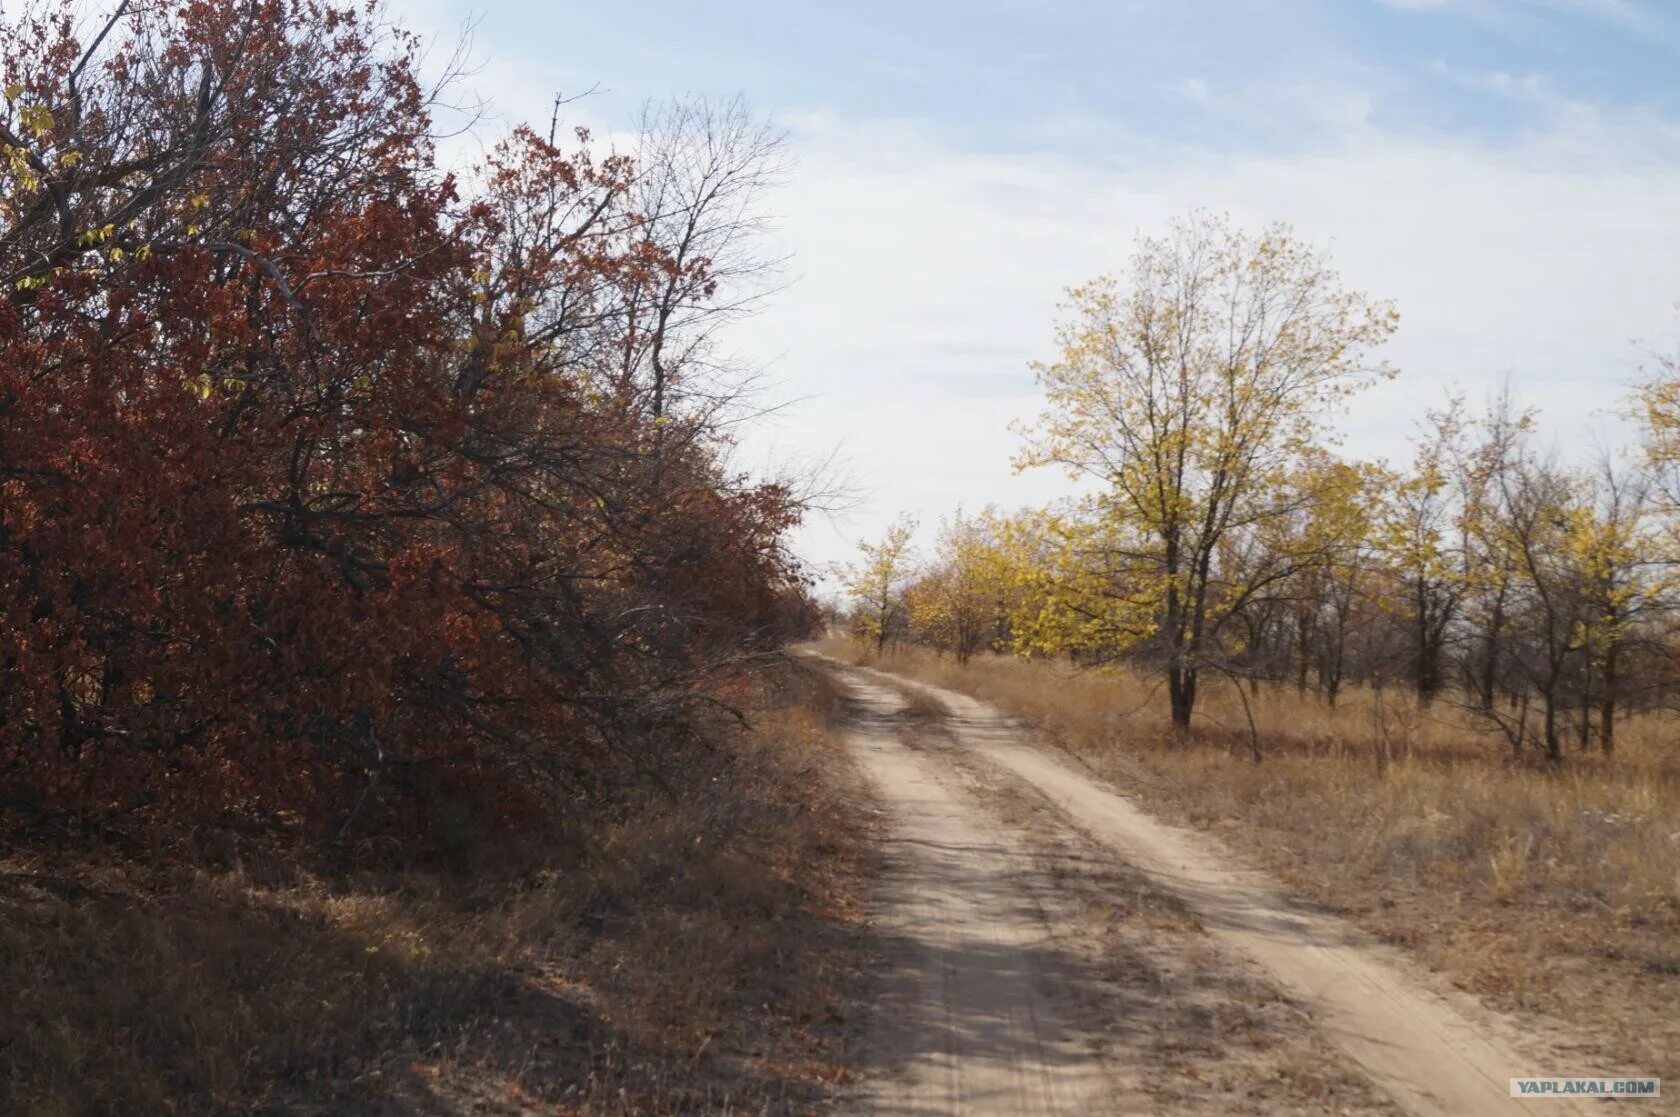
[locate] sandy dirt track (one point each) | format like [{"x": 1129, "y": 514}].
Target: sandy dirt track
[
  {"x": 971, "y": 1012},
  {"x": 976, "y": 1015}
]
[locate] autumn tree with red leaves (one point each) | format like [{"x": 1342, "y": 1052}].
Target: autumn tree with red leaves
[{"x": 334, "y": 494}]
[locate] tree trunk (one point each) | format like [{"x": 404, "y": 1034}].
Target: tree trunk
[
  {"x": 1181, "y": 690},
  {"x": 1519, "y": 739},
  {"x": 1303, "y": 638},
  {"x": 1554, "y": 751},
  {"x": 1335, "y": 664},
  {"x": 1429, "y": 669},
  {"x": 1607, "y": 704},
  {"x": 1490, "y": 671},
  {"x": 1428, "y": 676}
]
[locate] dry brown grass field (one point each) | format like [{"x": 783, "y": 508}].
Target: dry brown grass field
[
  {"x": 1547, "y": 892},
  {"x": 697, "y": 956}
]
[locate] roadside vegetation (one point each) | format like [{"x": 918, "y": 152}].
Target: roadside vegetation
[
  {"x": 693, "y": 951},
  {"x": 394, "y": 718}
]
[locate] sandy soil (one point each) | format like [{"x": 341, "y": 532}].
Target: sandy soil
[
  {"x": 976, "y": 1012},
  {"x": 991, "y": 1003}
]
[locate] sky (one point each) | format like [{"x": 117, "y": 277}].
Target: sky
[{"x": 1504, "y": 169}]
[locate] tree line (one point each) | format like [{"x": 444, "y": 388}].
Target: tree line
[
  {"x": 341, "y": 494},
  {"x": 1222, "y": 536}
]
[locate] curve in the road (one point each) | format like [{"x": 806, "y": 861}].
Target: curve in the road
[{"x": 1433, "y": 1052}]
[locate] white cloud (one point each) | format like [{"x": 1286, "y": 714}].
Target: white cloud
[
  {"x": 928, "y": 278},
  {"x": 1294, "y": 111},
  {"x": 1628, "y": 15},
  {"x": 1624, "y": 12},
  {"x": 1532, "y": 89}
]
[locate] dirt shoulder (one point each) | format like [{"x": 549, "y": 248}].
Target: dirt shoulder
[{"x": 695, "y": 955}]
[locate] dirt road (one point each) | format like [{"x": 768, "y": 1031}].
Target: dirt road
[
  {"x": 975, "y": 1011},
  {"x": 989, "y": 1006}
]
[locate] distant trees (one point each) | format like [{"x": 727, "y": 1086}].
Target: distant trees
[
  {"x": 336, "y": 489},
  {"x": 1223, "y": 536},
  {"x": 878, "y": 581},
  {"x": 1626, "y": 584},
  {"x": 1189, "y": 396},
  {"x": 1421, "y": 518},
  {"x": 959, "y": 603}
]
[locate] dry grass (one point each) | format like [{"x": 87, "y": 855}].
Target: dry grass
[
  {"x": 921, "y": 706},
  {"x": 1547, "y": 892},
  {"x": 694, "y": 960}
]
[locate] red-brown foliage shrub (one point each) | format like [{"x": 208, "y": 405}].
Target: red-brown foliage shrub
[{"x": 329, "y": 490}]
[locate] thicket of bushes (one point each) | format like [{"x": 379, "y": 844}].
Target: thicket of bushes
[{"x": 339, "y": 495}]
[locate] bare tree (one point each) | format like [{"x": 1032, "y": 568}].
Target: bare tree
[{"x": 702, "y": 172}]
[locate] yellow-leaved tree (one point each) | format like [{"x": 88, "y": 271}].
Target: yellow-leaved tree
[
  {"x": 962, "y": 601},
  {"x": 1624, "y": 581},
  {"x": 877, "y": 582},
  {"x": 1188, "y": 393}
]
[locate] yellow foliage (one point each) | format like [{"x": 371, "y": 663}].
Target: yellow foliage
[{"x": 1190, "y": 397}]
